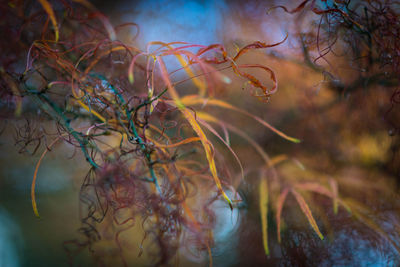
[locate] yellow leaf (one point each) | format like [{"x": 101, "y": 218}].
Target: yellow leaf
[
  {"x": 257, "y": 147},
  {"x": 279, "y": 207},
  {"x": 190, "y": 100},
  {"x": 197, "y": 129},
  {"x": 263, "y": 191},
  {"x": 199, "y": 83},
  {"x": 306, "y": 210},
  {"x": 183, "y": 142},
  {"x": 34, "y": 205},
  {"x": 91, "y": 110},
  {"x": 201, "y": 115},
  {"x": 49, "y": 10}
]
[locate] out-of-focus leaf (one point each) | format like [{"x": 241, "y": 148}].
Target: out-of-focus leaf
[
  {"x": 296, "y": 9},
  {"x": 15, "y": 92},
  {"x": 263, "y": 192},
  {"x": 334, "y": 187},
  {"x": 106, "y": 22},
  {"x": 306, "y": 210},
  {"x": 277, "y": 159},
  {"x": 315, "y": 187},
  {"x": 279, "y": 207},
  {"x": 183, "y": 142},
  {"x": 360, "y": 212},
  {"x": 49, "y": 10}
]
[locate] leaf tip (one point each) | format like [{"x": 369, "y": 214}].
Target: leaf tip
[
  {"x": 130, "y": 77},
  {"x": 35, "y": 210},
  {"x": 266, "y": 249},
  {"x": 321, "y": 236},
  {"x": 57, "y": 35},
  {"x": 294, "y": 140},
  {"x": 335, "y": 209}
]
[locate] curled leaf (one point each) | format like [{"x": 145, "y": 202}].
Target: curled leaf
[
  {"x": 257, "y": 45},
  {"x": 256, "y": 82},
  {"x": 300, "y": 7}
]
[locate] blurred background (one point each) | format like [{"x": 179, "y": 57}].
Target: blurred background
[{"x": 344, "y": 134}]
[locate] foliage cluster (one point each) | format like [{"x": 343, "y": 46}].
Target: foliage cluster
[{"x": 145, "y": 131}]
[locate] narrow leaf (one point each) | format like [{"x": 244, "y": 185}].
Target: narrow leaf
[
  {"x": 197, "y": 129},
  {"x": 183, "y": 142},
  {"x": 49, "y": 10},
  {"x": 279, "y": 207},
  {"x": 211, "y": 129},
  {"x": 191, "y": 100},
  {"x": 334, "y": 187},
  {"x": 306, "y": 210},
  {"x": 34, "y": 204},
  {"x": 360, "y": 212},
  {"x": 106, "y": 22},
  {"x": 263, "y": 191}
]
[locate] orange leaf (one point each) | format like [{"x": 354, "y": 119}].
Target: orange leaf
[
  {"x": 34, "y": 205},
  {"x": 360, "y": 212},
  {"x": 49, "y": 10},
  {"x": 106, "y": 23},
  {"x": 211, "y": 129},
  {"x": 306, "y": 210},
  {"x": 197, "y": 129},
  {"x": 315, "y": 187}
]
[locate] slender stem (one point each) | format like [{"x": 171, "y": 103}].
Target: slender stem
[
  {"x": 46, "y": 102},
  {"x": 132, "y": 127}
]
